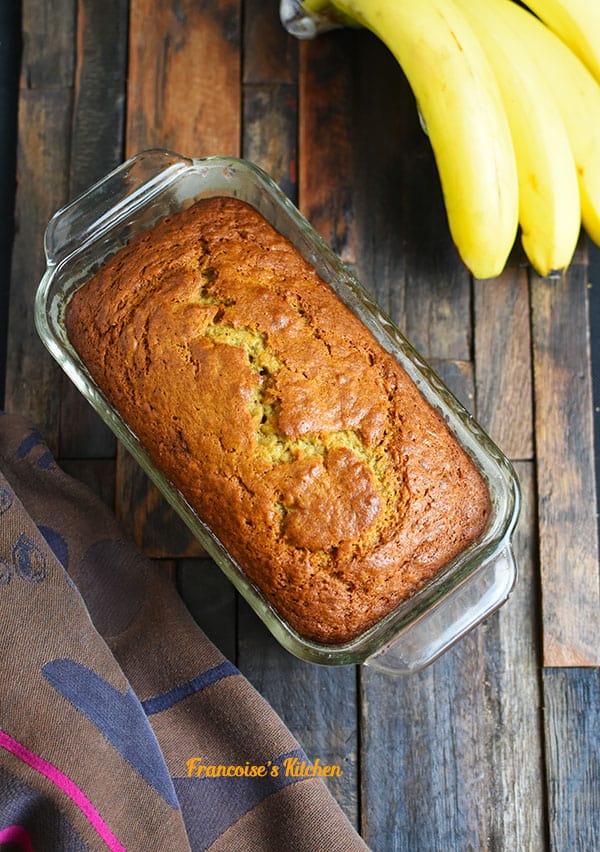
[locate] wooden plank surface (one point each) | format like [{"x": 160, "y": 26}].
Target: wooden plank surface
[
  {"x": 48, "y": 44},
  {"x": 572, "y": 737},
  {"x": 184, "y": 77},
  {"x": 513, "y": 699},
  {"x": 212, "y": 601},
  {"x": 485, "y": 749},
  {"x": 565, "y": 468},
  {"x": 269, "y": 55},
  {"x": 44, "y": 115},
  {"x": 10, "y": 69},
  {"x": 96, "y": 148},
  {"x": 325, "y": 138},
  {"x": 503, "y": 345},
  {"x": 427, "y": 734}
]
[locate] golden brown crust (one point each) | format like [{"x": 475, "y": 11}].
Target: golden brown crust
[{"x": 302, "y": 444}]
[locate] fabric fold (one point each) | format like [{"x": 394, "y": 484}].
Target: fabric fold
[{"x": 110, "y": 691}]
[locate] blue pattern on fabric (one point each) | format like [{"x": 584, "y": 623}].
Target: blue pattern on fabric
[
  {"x": 210, "y": 806},
  {"x": 5, "y": 572},
  {"x": 29, "y": 559},
  {"x": 119, "y": 717},
  {"x": 6, "y": 499},
  {"x": 46, "y": 461},
  {"x": 184, "y": 690},
  {"x": 34, "y": 439},
  {"x": 57, "y": 543}
]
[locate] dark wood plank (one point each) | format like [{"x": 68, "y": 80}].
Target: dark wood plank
[
  {"x": 565, "y": 469},
  {"x": 426, "y": 734},
  {"x": 572, "y": 728},
  {"x": 32, "y": 375},
  {"x": 44, "y": 109},
  {"x": 97, "y": 474},
  {"x": 382, "y": 104},
  {"x": 96, "y": 148},
  {"x": 211, "y": 600},
  {"x": 407, "y": 258},
  {"x": 100, "y": 83},
  {"x": 503, "y": 355},
  {"x": 437, "y": 285},
  {"x": 327, "y": 139},
  {"x": 458, "y": 377},
  {"x": 513, "y": 697},
  {"x": 48, "y": 43},
  {"x": 10, "y": 69},
  {"x": 270, "y": 132},
  {"x": 425, "y": 784},
  {"x": 270, "y": 56}
]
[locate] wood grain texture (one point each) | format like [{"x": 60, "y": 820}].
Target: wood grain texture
[
  {"x": 97, "y": 474},
  {"x": 270, "y": 132},
  {"x": 44, "y": 117},
  {"x": 424, "y": 738},
  {"x": 572, "y": 729},
  {"x": 31, "y": 373},
  {"x": 48, "y": 44},
  {"x": 10, "y": 69},
  {"x": 406, "y": 258},
  {"x": 99, "y": 97},
  {"x": 96, "y": 148},
  {"x": 184, "y": 77},
  {"x": 211, "y": 600},
  {"x": 503, "y": 357},
  {"x": 382, "y": 103},
  {"x": 326, "y": 163},
  {"x": 269, "y": 54},
  {"x": 147, "y": 517},
  {"x": 513, "y": 697},
  {"x": 568, "y": 530},
  {"x": 458, "y": 378},
  {"x": 407, "y": 201}
]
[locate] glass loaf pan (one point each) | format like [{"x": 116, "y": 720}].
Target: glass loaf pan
[{"x": 153, "y": 184}]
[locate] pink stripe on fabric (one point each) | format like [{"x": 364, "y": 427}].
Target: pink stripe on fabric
[
  {"x": 66, "y": 785},
  {"x": 17, "y": 834}
]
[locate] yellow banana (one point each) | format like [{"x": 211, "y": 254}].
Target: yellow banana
[
  {"x": 460, "y": 102},
  {"x": 549, "y": 204},
  {"x": 578, "y": 97},
  {"x": 577, "y": 22}
]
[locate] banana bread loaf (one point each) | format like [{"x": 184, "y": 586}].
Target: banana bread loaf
[{"x": 296, "y": 437}]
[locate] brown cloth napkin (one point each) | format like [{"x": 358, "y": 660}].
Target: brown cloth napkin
[{"x": 115, "y": 707}]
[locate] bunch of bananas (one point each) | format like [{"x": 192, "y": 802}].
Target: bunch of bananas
[{"x": 510, "y": 99}]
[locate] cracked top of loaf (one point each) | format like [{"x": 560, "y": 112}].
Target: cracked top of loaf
[{"x": 296, "y": 437}]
